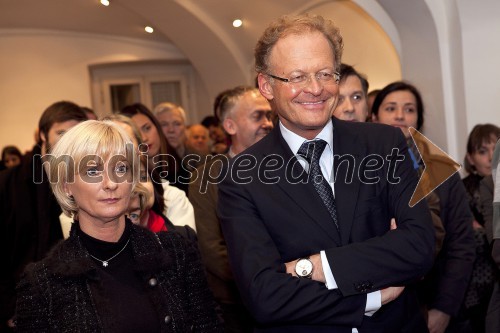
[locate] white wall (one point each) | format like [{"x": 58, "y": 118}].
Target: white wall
[
  {"x": 469, "y": 44},
  {"x": 367, "y": 45},
  {"x": 480, "y": 21},
  {"x": 39, "y": 68}
]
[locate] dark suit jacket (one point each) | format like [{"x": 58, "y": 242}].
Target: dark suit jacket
[
  {"x": 267, "y": 224},
  {"x": 445, "y": 285},
  {"x": 203, "y": 196},
  {"x": 29, "y": 223}
]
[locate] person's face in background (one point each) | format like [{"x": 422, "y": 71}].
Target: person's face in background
[
  {"x": 134, "y": 211},
  {"x": 216, "y": 134},
  {"x": 198, "y": 139},
  {"x": 352, "y": 105},
  {"x": 11, "y": 160},
  {"x": 398, "y": 109},
  {"x": 55, "y": 132},
  {"x": 173, "y": 127},
  {"x": 481, "y": 158},
  {"x": 149, "y": 133},
  {"x": 248, "y": 121},
  {"x": 303, "y": 109}
]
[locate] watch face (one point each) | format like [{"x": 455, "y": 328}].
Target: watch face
[{"x": 303, "y": 267}]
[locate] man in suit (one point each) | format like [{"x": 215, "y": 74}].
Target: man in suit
[
  {"x": 245, "y": 116},
  {"x": 29, "y": 223},
  {"x": 355, "y": 273}
]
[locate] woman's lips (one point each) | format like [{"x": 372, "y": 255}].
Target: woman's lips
[{"x": 110, "y": 200}]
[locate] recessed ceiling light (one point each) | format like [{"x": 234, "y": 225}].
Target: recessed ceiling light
[
  {"x": 237, "y": 23},
  {"x": 105, "y": 2},
  {"x": 149, "y": 29}
]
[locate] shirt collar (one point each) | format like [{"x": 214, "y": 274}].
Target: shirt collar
[
  {"x": 230, "y": 152},
  {"x": 294, "y": 141}
]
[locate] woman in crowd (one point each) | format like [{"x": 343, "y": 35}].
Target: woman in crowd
[
  {"x": 477, "y": 163},
  {"x": 442, "y": 291},
  {"x": 110, "y": 275},
  {"x": 480, "y": 146},
  {"x": 11, "y": 156},
  {"x": 168, "y": 200},
  {"x": 163, "y": 161}
]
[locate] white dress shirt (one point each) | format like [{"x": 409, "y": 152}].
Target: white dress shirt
[{"x": 294, "y": 141}]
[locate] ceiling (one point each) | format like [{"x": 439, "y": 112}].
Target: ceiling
[
  {"x": 87, "y": 16},
  {"x": 120, "y": 19},
  {"x": 202, "y": 30}
]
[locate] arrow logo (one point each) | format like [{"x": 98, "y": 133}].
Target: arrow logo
[{"x": 439, "y": 166}]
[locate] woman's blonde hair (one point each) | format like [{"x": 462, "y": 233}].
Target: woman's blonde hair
[
  {"x": 91, "y": 140},
  {"x": 116, "y": 117}
]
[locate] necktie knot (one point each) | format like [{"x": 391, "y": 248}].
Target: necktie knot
[{"x": 312, "y": 150}]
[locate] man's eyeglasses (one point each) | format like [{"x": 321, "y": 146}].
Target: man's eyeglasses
[{"x": 303, "y": 79}]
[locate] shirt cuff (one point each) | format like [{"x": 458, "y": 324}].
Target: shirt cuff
[
  {"x": 330, "y": 280},
  {"x": 373, "y": 302}
]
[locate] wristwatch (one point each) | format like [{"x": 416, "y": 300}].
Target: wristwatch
[{"x": 304, "y": 268}]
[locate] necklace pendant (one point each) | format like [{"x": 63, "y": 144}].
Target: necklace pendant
[{"x": 105, "y": 263}]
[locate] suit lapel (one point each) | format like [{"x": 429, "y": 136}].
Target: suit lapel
[
  {"x": 346, "y": 194},
  {"x": 302, "y": 194}
]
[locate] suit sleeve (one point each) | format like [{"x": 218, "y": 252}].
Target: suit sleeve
[
  {"x": 210, "y": 239},
  {"x": 459, "y": 251},
  {"x": 398, "y": 257}
]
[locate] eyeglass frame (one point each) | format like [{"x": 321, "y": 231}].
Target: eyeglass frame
[{"x": 336, "y": 75}]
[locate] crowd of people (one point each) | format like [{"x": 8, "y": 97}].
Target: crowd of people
[{"x": 273, "y": 214}]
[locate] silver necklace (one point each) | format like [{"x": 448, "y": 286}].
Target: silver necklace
[{"x": 106, "y": 262}]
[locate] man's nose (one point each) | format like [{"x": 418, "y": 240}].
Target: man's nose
[
  {"x": 313, "y": 85},
  {"x": 348, "y": 106}
]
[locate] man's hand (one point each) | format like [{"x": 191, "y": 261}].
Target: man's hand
[
  {"x": 390, "y": 294},
  {"x": 394, "y": 225},
  {"x": 476, "y": 225},
  {"x": 437, "y": 321},
  {"x": 317, "y": 274}
]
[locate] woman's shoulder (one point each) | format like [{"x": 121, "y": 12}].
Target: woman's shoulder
[
  {"x": 66, "y": 258},
  {"x": 170, "y": 238}
]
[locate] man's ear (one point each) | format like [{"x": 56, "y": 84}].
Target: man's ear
[
  {"x": 374, "y": 118},
  {"x": 229, "y": 126},
  {"x": 265, "y": 87},
  {"x": 42, "y": 137}
]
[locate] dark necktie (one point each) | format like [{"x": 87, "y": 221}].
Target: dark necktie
[{"x": 311, "y": 151}]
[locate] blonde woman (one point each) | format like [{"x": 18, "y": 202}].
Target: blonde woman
[{"x": 110, "y": 268}]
